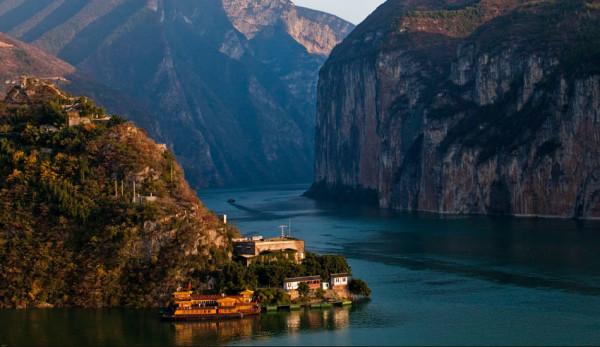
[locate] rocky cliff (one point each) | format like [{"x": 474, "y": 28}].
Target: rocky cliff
[
  {"x": 483, "y": 107},
  {"x": 229, "y": 85},
  {"x": 92, "y": 212}
]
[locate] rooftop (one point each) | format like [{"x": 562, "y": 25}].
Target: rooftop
[
  {"x": 305, "y": 278},
  {"x": 261, "y": 239},
  {"x": 197, "y": 297}
]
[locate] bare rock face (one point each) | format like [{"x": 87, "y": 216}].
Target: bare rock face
[
  {"x": 318, "y": 32},
  {"x": 465, "y": 107},
  {"x": 250, "y": 17},
  {"x": 229, "y": 85}
]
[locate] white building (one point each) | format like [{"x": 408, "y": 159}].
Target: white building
[
  {"x": 339, "y": 280},
  {"x": 290, "y": 284}
]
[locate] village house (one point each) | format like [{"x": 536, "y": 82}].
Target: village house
[
  {"x": 339, "y": 280},
  {"x": 338, "y": 283},
  {"x": 29, "y": 90},
  {"x": 314, "y": 283},
  {"x": 74, "y": 117}
]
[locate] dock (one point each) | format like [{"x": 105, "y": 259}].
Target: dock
[{"x": 314, "y": 306}]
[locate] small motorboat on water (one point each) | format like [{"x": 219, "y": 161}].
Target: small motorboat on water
[{"x": 231, "y": 201}]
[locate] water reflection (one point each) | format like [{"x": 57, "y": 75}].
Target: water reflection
[
  {"x": 196, "y": 333},
  {"x": 78, "y": 327},
  {"x": 269, "y": 324},
  {"x": 142, "y": 327},
  {"x": 436, "y": 280}
]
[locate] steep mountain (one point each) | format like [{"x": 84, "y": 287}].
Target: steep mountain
[
  {"x": 484, "y": 107},
  {"x": 92, "y": 212},
  {"x": 230, "y": 85}
]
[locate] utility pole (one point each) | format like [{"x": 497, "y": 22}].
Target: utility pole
[
  {"x": 134, "y": 191},
  {"x": 122, "y": 189}
]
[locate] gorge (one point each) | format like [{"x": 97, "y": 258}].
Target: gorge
[{"x": 229, "y": 85}]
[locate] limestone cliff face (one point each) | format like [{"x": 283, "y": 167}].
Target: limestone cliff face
[
  {"x": 229, "y": 85},
  {"x": 499, "y": 116},
  {"x": 318, "y": 32}
]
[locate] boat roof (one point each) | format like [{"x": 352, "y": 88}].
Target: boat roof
[{"x": 206, "y": 297}]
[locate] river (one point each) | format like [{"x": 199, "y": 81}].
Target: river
[{"x": 436, "y": 280}]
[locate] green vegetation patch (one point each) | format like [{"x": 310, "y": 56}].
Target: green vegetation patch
[
  {"x": 235, "y": 277},
  {"x": 71, "y": 232}
]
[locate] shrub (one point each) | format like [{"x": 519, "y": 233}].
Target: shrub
[
  {"x": 272, "y": 296},
  {"x": 359, "y": 287},
  {"x": 303, "y": 289},
  {"x": 52, "y": 113}
]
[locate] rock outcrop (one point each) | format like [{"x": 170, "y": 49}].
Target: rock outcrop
[
  {"x": 465, "y": 107},
  {"x": 318, "y": 32},
  {"x": 229, "y": 85}
]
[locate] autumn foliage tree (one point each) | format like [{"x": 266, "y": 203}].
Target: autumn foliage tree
[{"x": 71, "y": 233}]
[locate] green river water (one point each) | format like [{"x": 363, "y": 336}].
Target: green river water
[{"x": 436, "y": 280}]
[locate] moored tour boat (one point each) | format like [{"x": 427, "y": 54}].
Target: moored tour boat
[{"x": 188, "y": 306}]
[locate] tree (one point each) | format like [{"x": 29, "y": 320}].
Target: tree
[
  {"x": 272, "y": 296},
  {"x": 52, "y": 113},
  {"x": 303, "y": 289},
  {"x": 232, "y": 278},
  {"x": 324, "y": 265},
  {"x": 359, "y": 287},
  {"x": 89, "y": 109}
]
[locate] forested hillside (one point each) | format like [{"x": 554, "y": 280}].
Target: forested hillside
[{"x": 92, "y": 212}]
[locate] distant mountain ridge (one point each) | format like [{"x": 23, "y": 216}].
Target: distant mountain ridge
[{"x": 231, "y": 86}]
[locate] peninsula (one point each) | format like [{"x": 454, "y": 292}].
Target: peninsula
[{"x": 96, "y": 214}]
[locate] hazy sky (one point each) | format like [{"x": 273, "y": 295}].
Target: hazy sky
[{"x": 353, "y": 10}]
